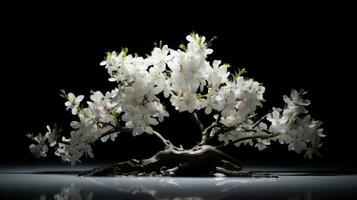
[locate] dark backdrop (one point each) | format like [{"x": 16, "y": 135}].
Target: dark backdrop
[{"x": 300, "y": 46}]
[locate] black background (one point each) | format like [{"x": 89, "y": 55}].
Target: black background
[{"x": 53, "y": 47}]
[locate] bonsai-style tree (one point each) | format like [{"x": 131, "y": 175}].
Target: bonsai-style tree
[{"x": 190, "y": 83}]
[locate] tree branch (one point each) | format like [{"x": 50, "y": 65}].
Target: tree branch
[
  {"x": 223, "y": 129},
  {"x": 120, "y": 129},
  {"x": 249, "y": 138},
  {"x": 116, "y": 130},
  {"x": 108, "y": 124},
  {"x": 197, "y": 120},
  {"x": 205, "y": 135},
  {"x": 261, "y": 119},
  {"x": 167, "y": 143}
]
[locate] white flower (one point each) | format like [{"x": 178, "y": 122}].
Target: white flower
[
  {"x": 197, "y": 45},
  {"x": 51, "y": 136},
  {"x": 262, "y": 144},
  {"x": 285, "y": 138},
  {"x": 40, "y": 149},
  {"x": 218, "y": 74},
  {"x": 167, "y": 88},
  {"x": 297, "y": 145},
  {"x": 185, "y": 102},
  {"x": 72, "y": 192},
  {"x": 75, "y": 124},
  {"x": 309, "y": 152},
  {"x": 112, "y": 59},
  {"x": 275, "y": 118},
  {"x": 277, "y": 123},
  {"x": 73, "y": 102},
  {"x": 132, "y": 113},
  {"x": 103, "y": 106},
  {"x": 75, "y": 147},
  {"x": 112, "y": 137},
  {"x": 158, "y": 80},
  {"x": 159, "y": 57},
  {"x": 224, "y": 138},
  {"x": 231, "y": 120},
  {"x": 157, "y": 110},
  {"x": 296, "y": 99}
]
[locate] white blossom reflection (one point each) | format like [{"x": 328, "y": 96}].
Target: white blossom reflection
[{"x": 70, "y": 193}]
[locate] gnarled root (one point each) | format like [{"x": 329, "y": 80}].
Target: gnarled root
[{"x": 201, "y": 161}]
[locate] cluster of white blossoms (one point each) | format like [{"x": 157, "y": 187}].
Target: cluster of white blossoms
[
  {"x": 69, "y": 192},
  {"x": 295, "y": 127},
  {"x": 43, "y": 142},
  {"x": 191, "y": 83},
  {"x": 292, "y": 126}
]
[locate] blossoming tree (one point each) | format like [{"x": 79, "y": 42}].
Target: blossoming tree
[{"x": 190, "y": 83}]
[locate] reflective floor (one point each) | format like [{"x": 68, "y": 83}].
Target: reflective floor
[{"x": 63, "y": 184}]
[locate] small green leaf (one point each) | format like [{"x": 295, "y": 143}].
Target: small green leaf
[
  {"x": 227, "y": 65},
  {"x": 183, "y": 47},
  {"x": 109, "y": 55},
  {"x": 252, "y": 116},
  {"x": 241, "y": 71},
  {"x": 114, "y": 116},
  {"x": 193, "y": 34},
  {"x": 63, "y": 93},
  {"x": 238, "y": 73},
  {"x": 196, "y": 37},
  {"x": 302, "y": 92},
  {"x": 125, "y": 51},
  {"x": 200, "y": 96},
  {"x": 30, "y": 135}
]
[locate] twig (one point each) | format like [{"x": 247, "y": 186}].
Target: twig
[
  {"x": 205, "y": 135},
  {"x": 198, "y": 121},
  {"x": 107, "y": 124},
  {"x": 116, "y": 130},
  {"x": 167, "y": 143},
  {"x": 249, "y": 138},
  {"x": 257, "y": 122},
  {"x": 225, "y": 129},
  {"x": 119, "y": 129}
]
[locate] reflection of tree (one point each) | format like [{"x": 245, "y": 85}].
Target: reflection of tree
[
  {"x": 228, "y": 185},
  {"x": 171, "y": 188},
  {"x": 150, "y": 188},
  {"x": 178, "y": 188},
  {"x": 70, "y": 193},
  {"x": 306, "y": 196}
]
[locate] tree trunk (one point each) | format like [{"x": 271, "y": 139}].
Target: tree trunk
[{"x": 201, "y": 161}]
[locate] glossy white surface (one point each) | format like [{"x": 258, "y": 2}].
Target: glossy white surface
[{"x": 22, "y": 184}]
